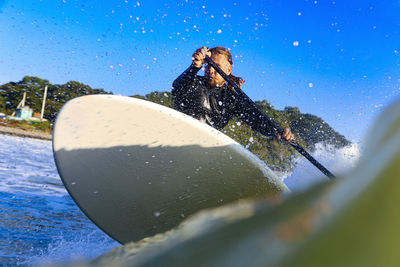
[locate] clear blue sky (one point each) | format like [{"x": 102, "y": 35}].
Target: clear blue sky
[{"x": 336, "y": 59}]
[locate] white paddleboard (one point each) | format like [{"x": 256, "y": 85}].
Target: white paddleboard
[{"x": 136, "y": 168}]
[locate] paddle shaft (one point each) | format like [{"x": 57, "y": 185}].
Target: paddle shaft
[{"x": 276, "y": 127}]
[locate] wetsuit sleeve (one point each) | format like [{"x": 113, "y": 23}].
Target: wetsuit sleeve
[
  {"x": 254, "y": 117},
  {"x": 184, "y": 87}
]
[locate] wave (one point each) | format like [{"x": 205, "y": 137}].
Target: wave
[
  {"x": 337, "y": 160},
  {"x": 27, "y": 166}
]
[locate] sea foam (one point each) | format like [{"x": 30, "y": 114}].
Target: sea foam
[{"x": 336, "y": 160}]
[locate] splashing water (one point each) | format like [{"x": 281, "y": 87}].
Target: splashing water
[
  {"x": 337, "y": 160},
  {"x": 78, "y": 249},
  {"x": 39, "y": 222}
]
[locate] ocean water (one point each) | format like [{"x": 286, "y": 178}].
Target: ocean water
[{"x": 39, "y": 222}]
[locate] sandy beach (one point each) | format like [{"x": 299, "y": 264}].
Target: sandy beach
[{"x": 25, "y": 133}]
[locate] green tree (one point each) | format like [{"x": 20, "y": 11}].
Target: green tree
[
  {"x": 162, "y": 98},
  {"x": 57, "y": 95}
]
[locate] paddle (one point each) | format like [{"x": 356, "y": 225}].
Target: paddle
[{"x": 239, "y": 93}]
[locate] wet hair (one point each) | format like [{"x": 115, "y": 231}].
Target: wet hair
[{"x": 220, "y": 50}]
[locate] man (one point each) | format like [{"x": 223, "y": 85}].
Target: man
[{"x": 210, "y": 99}]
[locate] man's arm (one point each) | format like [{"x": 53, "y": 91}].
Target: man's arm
[
  {"x": 183, "y": 87},
  {"x": 186, "y": 79},
  {"x": 256, "y": 119},
  {"x": 253, "y": 117}
]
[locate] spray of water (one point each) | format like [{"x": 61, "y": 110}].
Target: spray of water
[
  {"x": 79, "y": 248},
  {"x": 337, "y": 160}
]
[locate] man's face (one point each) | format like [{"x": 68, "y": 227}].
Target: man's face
[{"x": 213, "y": 77}]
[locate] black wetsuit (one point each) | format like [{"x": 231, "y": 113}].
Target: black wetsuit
[{"x": 215, "y": 105}]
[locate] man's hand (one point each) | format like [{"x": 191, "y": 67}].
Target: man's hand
[
  {"x": 287, "y": 135},
  {"x": 199, "y": 56}
]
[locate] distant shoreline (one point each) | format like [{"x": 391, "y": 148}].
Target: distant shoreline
[{"x": 25, "y": 133}]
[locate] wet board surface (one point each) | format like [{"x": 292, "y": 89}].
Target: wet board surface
[{"x": 136, "y": 168}]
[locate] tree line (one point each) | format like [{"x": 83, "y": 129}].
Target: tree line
[{"x": 309, "y": 129}]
